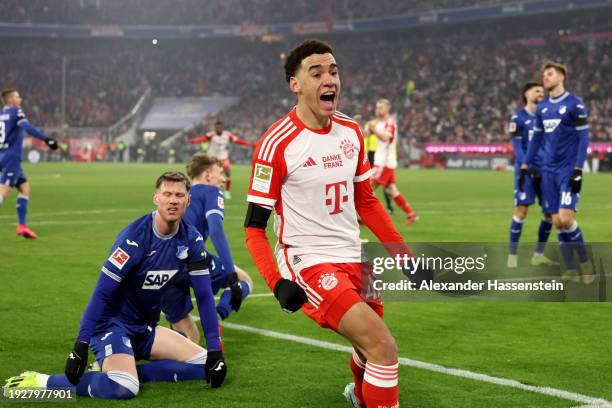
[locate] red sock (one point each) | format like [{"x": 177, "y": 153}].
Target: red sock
[
  {"x": 358, "y": 369},
  {"x": 380, "y": 387},
  {"x": 401, "y": 202},
  {"x": 228, "y": 183}
]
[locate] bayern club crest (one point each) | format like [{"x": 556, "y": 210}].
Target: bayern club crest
[
  {"x": 348, "y": 148},
  {"x": 328, "y": 281}
]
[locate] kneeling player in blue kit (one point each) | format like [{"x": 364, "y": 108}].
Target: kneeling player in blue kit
[{"x": 120, "y": 323}]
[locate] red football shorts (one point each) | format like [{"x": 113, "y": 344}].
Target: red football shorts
[
  {"x": 383, "y": 175},
  {"x": 332, "y": 289},
  {"x": 225, "y": 163}
]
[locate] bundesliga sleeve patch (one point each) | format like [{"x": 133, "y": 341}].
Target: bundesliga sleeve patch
[
  {"x": 512, "y": 127},
  {"x": 220, "y": 202},
  {"x": 119, "y": 258},
  {"x": 262, "y": 178}
]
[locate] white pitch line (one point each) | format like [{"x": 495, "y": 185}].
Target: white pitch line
[
  {"x": 76, "y": 212},
  {"x": 553, "y": 392}
]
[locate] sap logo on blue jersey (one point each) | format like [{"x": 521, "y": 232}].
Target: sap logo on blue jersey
[
  {"x": 157, "y": 279},
  {"x": 550, "y": 124},
  {"x": 182, "y": 252}
]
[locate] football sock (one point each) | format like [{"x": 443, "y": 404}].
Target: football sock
[
  {"x": 95, "y": 384},
  {"x": 22, "y": 208},
  {"x": 172, "y": 371},
  {"x": 401, "y": 202},
  {"x": 224, "y": 308},
  {"x": 543, "y": 234},
  {"x": 380, "y": 388},
  {"x": 388, "y": 202},
  {"x": 576, "y": 238},
  {"x": 516, "y": 227},
  {"x": 358, "y": 369},
  {"x": 565, "y": 247}
]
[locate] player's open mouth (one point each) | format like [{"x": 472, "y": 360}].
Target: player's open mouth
[
  {"x": 328, "y": 96},
  {"x": 173, "y": 210}
]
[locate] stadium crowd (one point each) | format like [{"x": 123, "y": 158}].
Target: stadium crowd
[
  {"x": 446, "y": 86},
  {"x": 216, "y": 12}
]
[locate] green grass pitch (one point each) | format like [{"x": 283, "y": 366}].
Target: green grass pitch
[{"x": 77, "y": 209}]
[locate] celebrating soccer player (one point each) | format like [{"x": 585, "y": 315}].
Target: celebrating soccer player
[
  {"x": 311, "y": 168},
  {"x": 561, "y": 128},
  {"x": 385, "y": 158},
  {"x": 120, "y": 323},
  {"x": 521, "y": 127},
  {"x": 13, "y": 123},
  {"x": 205, "y": 212},
  {"x": 219, "y": 140}
]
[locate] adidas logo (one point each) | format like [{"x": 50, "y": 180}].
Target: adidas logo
[{"x": 310, "y": 162}]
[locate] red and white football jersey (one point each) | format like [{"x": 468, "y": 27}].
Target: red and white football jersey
[
  {"x": 308, "y": 177},
  {"x": 219, "y": 144},
  {"x": 386, "y": 152}
]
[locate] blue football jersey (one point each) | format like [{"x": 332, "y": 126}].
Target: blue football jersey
[
  {"x": 145, "y": 262},
  {"x": 11, "y": 134},
  {"x": 522, "y": 125},
  {"x": 562, "y": 120},
  {"x": 205, "y": 200}
]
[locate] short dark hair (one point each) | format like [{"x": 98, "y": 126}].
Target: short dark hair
[
  {"x": 199, "y": 163},
  {"x": 7, "y": 92},
  {"x": 557, "y": 67},
  {"x": 527, "y": 87},
  {"x": 302, "y": 51},
  {"x": 219, "y": 123},
  {"x": 173, "y": 177}
]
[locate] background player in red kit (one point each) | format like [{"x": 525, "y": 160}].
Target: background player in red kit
[
  {"x": 385, "y": 158},
  {"x": 219, "y": 140},
  {"x": 311, "y": 168}
]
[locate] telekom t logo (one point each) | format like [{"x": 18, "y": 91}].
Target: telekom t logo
[{"x": 338, "y": 195}]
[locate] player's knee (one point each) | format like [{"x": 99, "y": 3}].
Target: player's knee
[
  {"x": 566, "y": 222},
  {"x": 383, "y": 350},
  {"x": 521, "y": 212},
  {"x": 126, "y": 386}
]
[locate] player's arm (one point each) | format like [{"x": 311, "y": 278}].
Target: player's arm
[
  {"x": 516, "y": 133},
  {"x": 264, "y": 190},
  {"x": 214, "y": 210},
  {"x": 383, "y": 134},
  {"x": 23, "y": 123},
  {"x": 200, "y": 139},
  {"x": 580, "y": 116},
  {"x": 199, "y": 275},
  {"x": 240, "y": 141},
  {"x": 121, "y": 260}
]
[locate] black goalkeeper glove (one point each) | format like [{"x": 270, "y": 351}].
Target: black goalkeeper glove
[
  {"x": 76, "y": 362},
  {"x": 576, "y": 181},
  {"x": 524, "y": 173},
  {"x": 52, "y": 143},
  {"x": 290, "y": 295},
  {"x": 234, "y": 285},
  {"x": 216, "y": 368}
]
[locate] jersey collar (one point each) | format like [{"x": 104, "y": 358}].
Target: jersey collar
[
  {"x": 296, "y": 119},
  {"x": 529, "y": 113},
  {"x": 560, "y": 98},
  {"x": 157, "y": 233}
]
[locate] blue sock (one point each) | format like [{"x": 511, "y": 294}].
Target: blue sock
[
  {"x": 567, "y": 253},
  {"x": 22, "y": 208},
  {"x": 95, "y": 384},
  {"x": 576, "y": 238},
  {"x": 171, "y": 371},
  {"x": 223, "y": 307},
  {"x": 543, "y": 234},
  {"x": 516, "y": 227}
]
